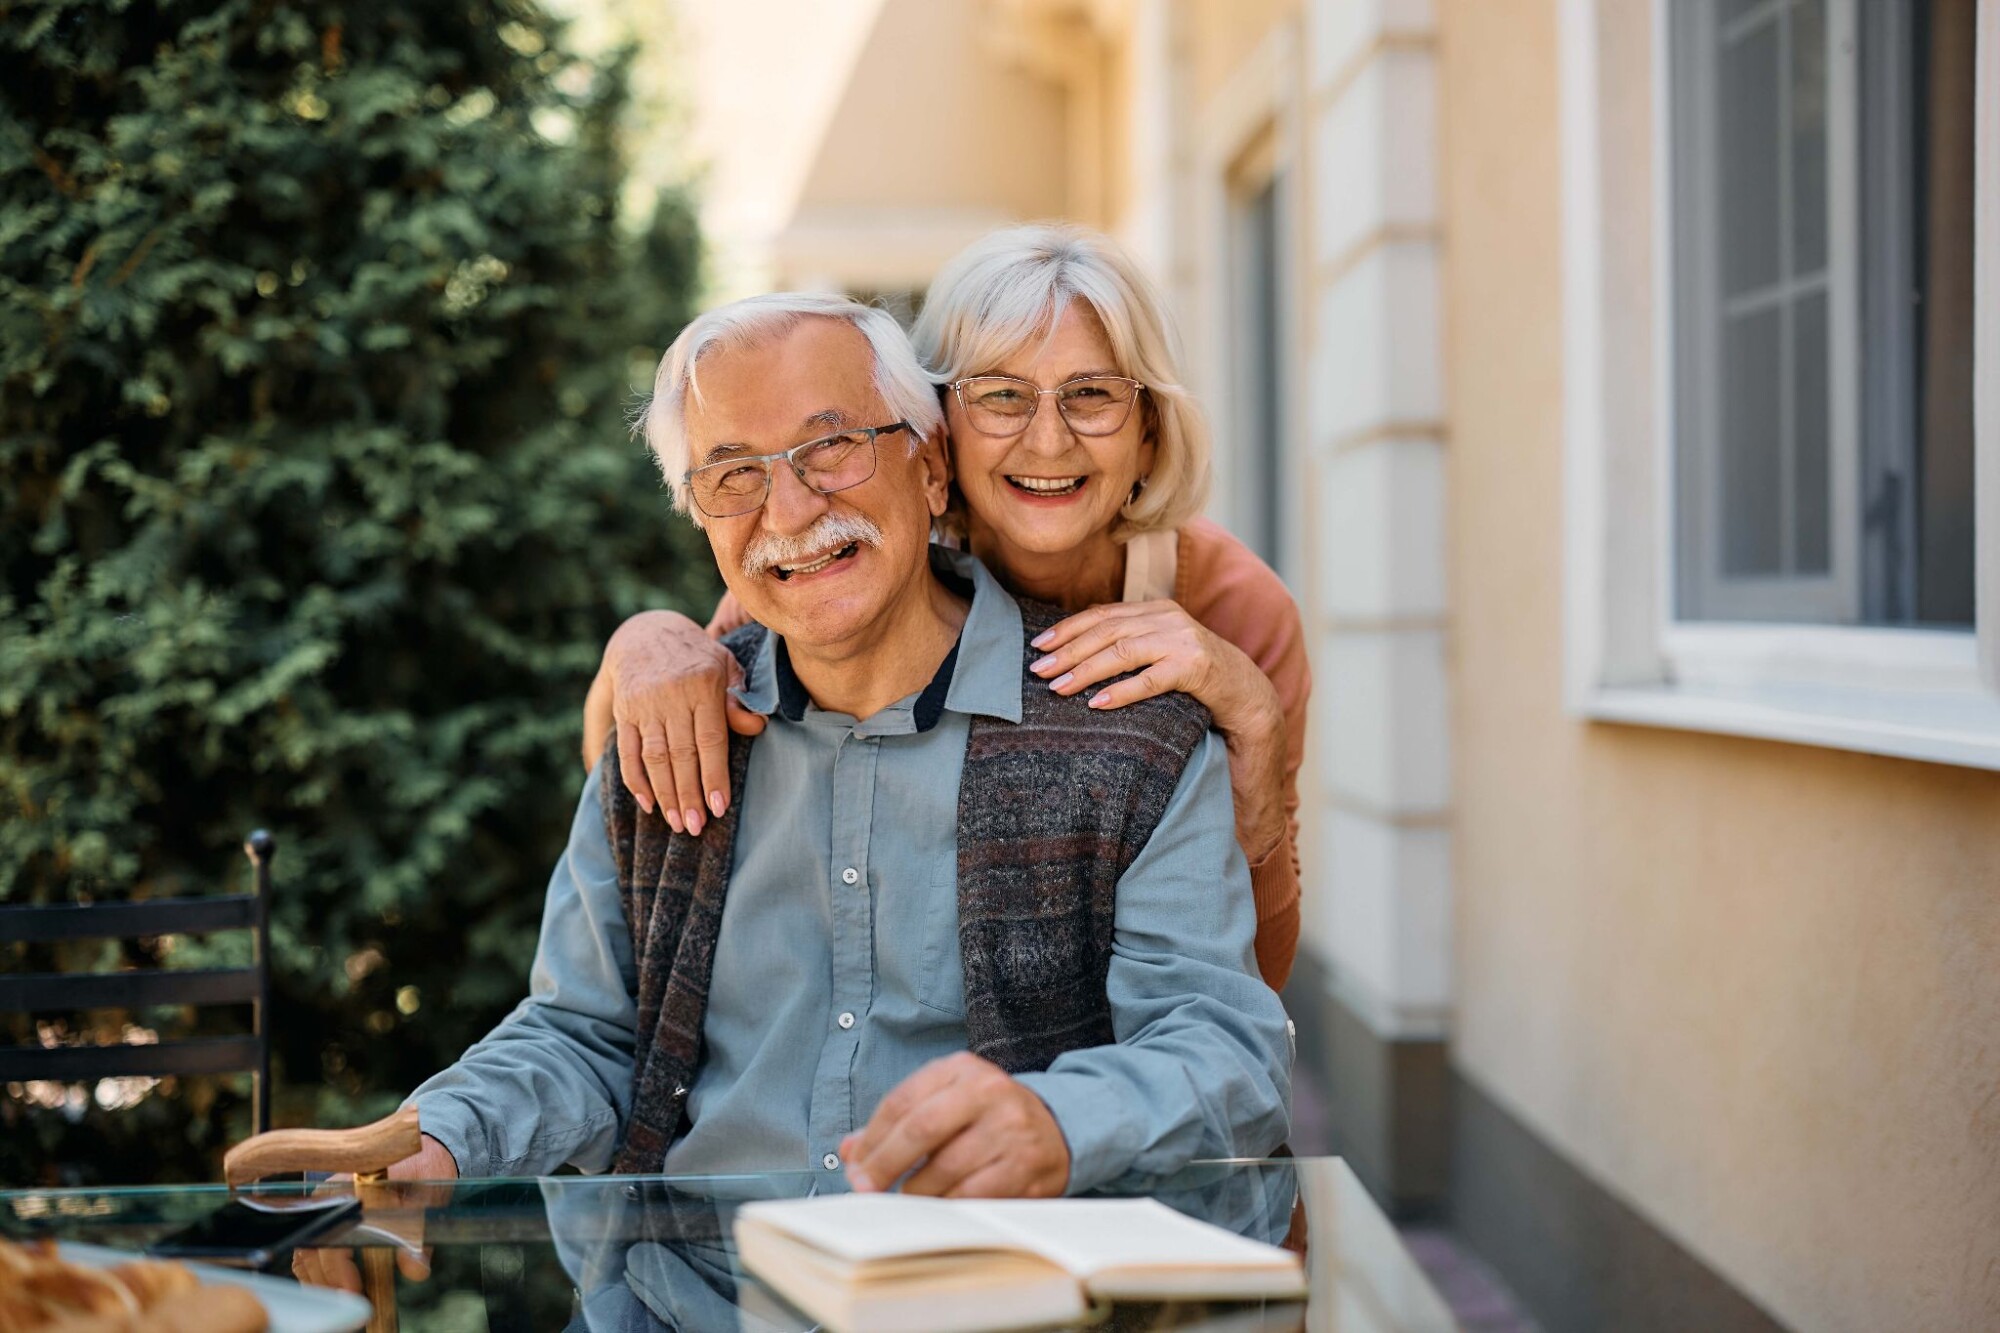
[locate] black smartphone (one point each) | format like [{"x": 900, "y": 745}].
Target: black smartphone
[{"x": 249, "y": 1232}]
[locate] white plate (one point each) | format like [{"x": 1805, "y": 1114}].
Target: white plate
[{"x": 293, "y": 1307}]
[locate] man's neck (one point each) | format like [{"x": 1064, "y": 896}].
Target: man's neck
[{"x": 899, "y": 658}]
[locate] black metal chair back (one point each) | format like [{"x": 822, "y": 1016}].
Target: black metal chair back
[{"x": 46, "y": 992}]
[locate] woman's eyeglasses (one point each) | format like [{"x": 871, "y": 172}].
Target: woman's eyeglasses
[
  {"x": 738, "y": 485},
  {"x": 1003, "y": 405}
]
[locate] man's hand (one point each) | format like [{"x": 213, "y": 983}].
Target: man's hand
[
  {"x": 337, "y": 1269},
  {"x": 977, "y": 1133}
]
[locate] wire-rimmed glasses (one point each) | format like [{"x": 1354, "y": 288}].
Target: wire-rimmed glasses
[
  {"x": 738, "y": 485},
  {"x": 1090, "y": 404}
]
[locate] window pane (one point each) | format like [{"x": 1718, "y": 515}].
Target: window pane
[
  {"x": 1808, "y": 110},
  {"x": 1780, "y": 278},
  {"x": 1257, "y": 329},
  {"x": 1753, "y": 382},
  {"x": 1747, "y": 135},
  {"x": 1812, "y": 496}
]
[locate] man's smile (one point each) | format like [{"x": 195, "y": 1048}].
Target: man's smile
[{"x": 785, "y": 573}]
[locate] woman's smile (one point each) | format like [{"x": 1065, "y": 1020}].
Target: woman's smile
[{"x": 1047, "y": 488}]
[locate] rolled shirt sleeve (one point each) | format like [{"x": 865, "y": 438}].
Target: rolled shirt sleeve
[
  {"x": 1202, "y": 1067},
  {"x": 552, "y": 1084}
]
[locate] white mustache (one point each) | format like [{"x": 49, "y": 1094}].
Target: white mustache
[{"x": 829, "y": 533}]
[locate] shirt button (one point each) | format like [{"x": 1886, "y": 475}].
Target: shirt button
[
  {"x": 830, "y": 1162},
  {"x": 846, "y": 1020},
  {"x": 849, "y": 875}
]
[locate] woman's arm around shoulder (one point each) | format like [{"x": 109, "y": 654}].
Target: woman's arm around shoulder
[{"x": 664, "y": 687}]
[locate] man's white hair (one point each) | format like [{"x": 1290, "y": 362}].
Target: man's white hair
[{"x": 899, "y": 377}]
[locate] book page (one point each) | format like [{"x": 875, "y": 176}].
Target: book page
[
  {"x": 864, "y": 1227},
  {"x": 1089, "y": 1236}
]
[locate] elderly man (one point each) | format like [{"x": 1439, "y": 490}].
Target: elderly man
[{"x": 959, "y": 931}]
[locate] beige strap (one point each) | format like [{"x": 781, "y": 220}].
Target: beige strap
[{"x": 1152, "y": 561}]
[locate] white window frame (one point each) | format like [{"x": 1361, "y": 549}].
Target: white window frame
[
  {"x": 1919, "y": 694},
  {"x": 1696, "y": 291}
]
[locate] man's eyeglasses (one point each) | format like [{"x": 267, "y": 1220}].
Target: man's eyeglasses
[
  {"x": 738, "y": 485},
  {"x": 1003, "y": 405}
]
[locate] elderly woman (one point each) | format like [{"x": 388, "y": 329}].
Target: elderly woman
[{"x": 1089, "y": 501}]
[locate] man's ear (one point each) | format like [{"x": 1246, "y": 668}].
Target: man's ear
[{"x": 935, "y": 460}]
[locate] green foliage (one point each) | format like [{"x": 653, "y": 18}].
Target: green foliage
[{"x": 317, "y": 332}]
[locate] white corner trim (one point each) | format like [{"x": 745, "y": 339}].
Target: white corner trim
[
  {"x": 1584, "y": 572},
  {"x": 1388, "y": 1019}
]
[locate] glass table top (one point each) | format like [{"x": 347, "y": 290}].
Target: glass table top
[{"x": 643, "y": 1253}]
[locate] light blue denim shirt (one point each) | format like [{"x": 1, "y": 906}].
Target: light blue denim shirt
[{"x": 838, "y": 973}]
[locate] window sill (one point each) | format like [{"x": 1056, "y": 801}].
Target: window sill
[{"x": 1941, "y": 727}]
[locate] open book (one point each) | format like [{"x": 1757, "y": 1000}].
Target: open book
[{"x": 892, "y": 1262}]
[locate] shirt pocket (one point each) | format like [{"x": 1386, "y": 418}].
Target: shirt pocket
[{"x": 941, "y": 974}]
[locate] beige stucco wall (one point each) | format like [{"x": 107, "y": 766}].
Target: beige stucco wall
[
  {"x": 1754, "y": 989},
  {"x": 861, "y": 144},
  {"x": 937, "y": 116},
  {"x": 1221, "y": 35}
]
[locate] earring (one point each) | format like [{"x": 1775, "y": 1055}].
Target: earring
[{"x": 1137, "y": 487}]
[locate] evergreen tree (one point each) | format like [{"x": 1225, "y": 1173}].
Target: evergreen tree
[{"x": 318, "y": 331}]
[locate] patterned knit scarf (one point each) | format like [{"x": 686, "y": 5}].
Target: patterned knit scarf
[{"x": 1051, "y": 812}]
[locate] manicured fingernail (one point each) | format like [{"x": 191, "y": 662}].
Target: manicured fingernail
[
  {"x": 1042, "y": 664},
  {"x": 693, "y": 817},
  {"x": 715, "y": 803},
  {"x": 1062, "y": 680},
  {"x": 674, "y": 821},
  {"x": 645, "y": 803},
  {"x": 1100, "y": 700},
  {"x": 1042, "y": 640}
]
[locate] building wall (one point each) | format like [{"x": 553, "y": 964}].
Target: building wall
[
  {"x": 1225, "y": 33},
  {"x": 1752, "y": 989},
  {"x": 859, "y": 145},
  {"x": 933, "y": 119}
]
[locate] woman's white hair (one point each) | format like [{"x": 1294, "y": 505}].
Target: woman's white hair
[
  {"x": 1006, "y": 290},
  {"x": 899, "y": 376}
]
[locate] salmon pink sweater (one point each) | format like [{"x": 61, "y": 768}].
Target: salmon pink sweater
[{"x": 1223, "y": 585}]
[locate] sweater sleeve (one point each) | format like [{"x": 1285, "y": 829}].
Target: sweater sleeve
[
  {"x": 1227, "y": 588},
  {"x": 1202, "y": 1063},
  {"x": 553, "y": 1082}
]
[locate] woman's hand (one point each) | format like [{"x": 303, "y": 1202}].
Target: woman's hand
[
  {"x": 669, "y": 685},
  {"x": 1170, "y": 650}
]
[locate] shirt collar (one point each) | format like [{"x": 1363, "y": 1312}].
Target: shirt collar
[
  {"x": 981, "y": 674},
  {"x": 991, "y": 650}
]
